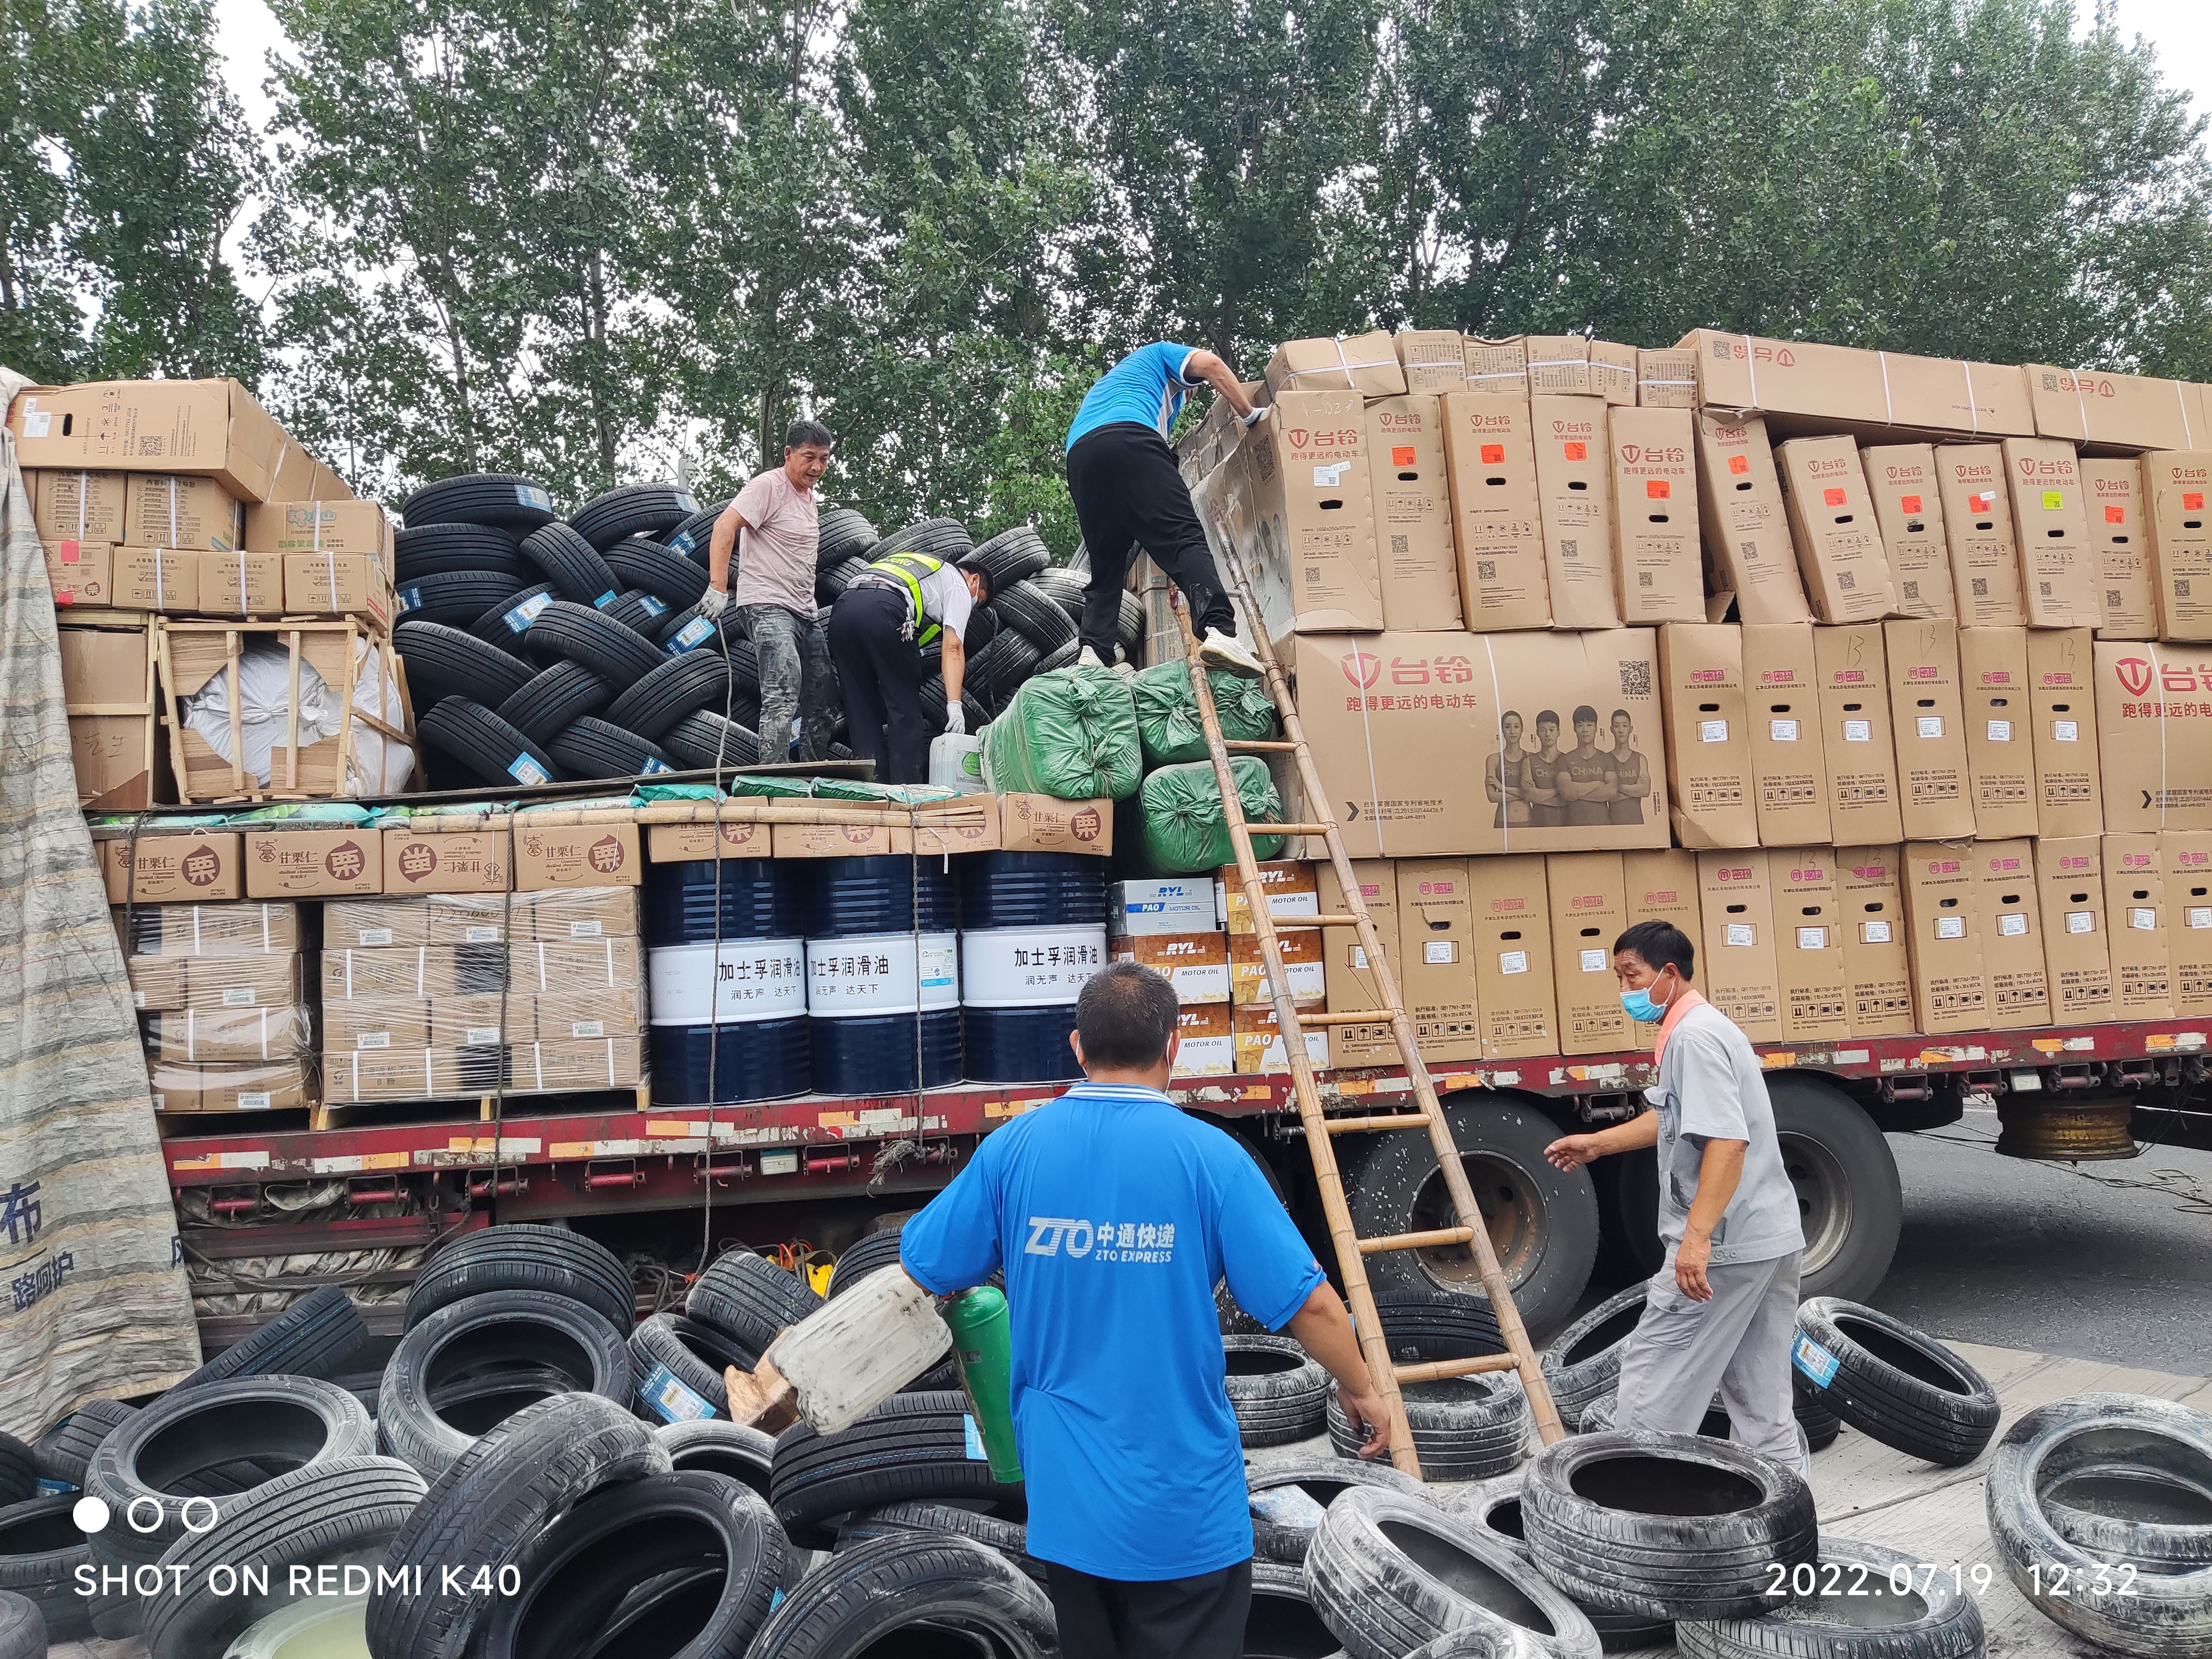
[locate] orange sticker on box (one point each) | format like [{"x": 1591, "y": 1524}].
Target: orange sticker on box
[
  {"x": 1833, "y": 497},
  {"x": 1401, "y": 457},
  {"x": 1909, "y": 503},
  {"x": 72, "y": 552},
  {"x": 2116, "y": 515},
  {"x": 1492, "y": 454},
  {"x": 2192, "y": 500},
  {"x": 1980, "y": 503},
  {"x": 1657, "y": 490},
  {"x": 1739, "y": 465},
  {"x": 1575, "y": 451}
]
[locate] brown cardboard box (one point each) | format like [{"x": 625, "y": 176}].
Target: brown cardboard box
[
  {"x": 162, "y": 578},
  {"x": 1662, "y": 885},
  {"x": 1431, "y": 694},
  {"x": 102, "y": 666},
  {"x": 1516, "y": 996},
  {"x": 1353, "y": 984},
  {"x": 1413, "y": 515},
  {"x": 1196, "y": 964},
  {"x": 1574, "y": 500},
  {"x": 1840, "y": 553},
  {"x": 107, "y": 674},
  {"x": 2077, "y": 957},
  {"x": 1870, "y": 904},
  {"x": 1708, "y": 778},
  {"x": 2012, "y": 934},
  {"x": 2000, "y": 745},
  {"x": 230, "y": 1037},
  {"x": 2185, "y": 861},
  {"x": 1434, "y": 359},
  {"x": 572, "y": 913},
  {"x": 615, "y": 1062},
  {"x": 77, "y": 507},
  {"x": 1293, "y": 887},
  {"x": 275, "y": 980},
  {"x": 2181, "y": 541},
  {"x": 1844, "y": 386},
  {"x": 458, "y": 861},
  {"x": 198, "y": 868},
  {"x": 1737, "y": 966},
  {"x": 563, "y": 966},
  {"x": 1558, "y": 365},
  {"x": 1301, "y": 951},
  {"x": 1747, "y": 526},
  {"x": 1978, "y": 526},
  {"x": 2135, "y": 905},
  {"x": 210, "y": 930},
  {"x": 270, "y": 1087},
  {"x": 109, "y": 755},
  {"x": 306, "y": 863},
  {"x": 240, "y": 584},
  {"x": 378, "y": 1023},
  {"x": 313, "y": 526},
  {"x": 1855, "y": 736},
  {"x": 205, "y": 428},
  {"x": 1812, "y": 980},
  {"x": 411, "y": 1074},
  {"x": 1163, "y": 905},
  {"x": 422, "y": 970},
  {"x": 2059, "y": 568},
  {"x": 2119, "y": 531},
  {"x": 1258, "y": 1040},
  {"x": 1206, "y": 1046},
  {"x": 1041, "y": 823},
  {"x": 81, "y": 573},
  {"x": 1656, "y": 551},
  {"x": 474, "y": 1022},
  {"x": 2154, "y": 732},
  {"x": 1942, "y": 909},
  {"x": 379, "y": 923},
  {"x": 1667, "y": 379},
  {"x": 1497, "y": 367},
  {"x": 2062, "y": 696},
  {"x": 1490, "y": 466},
  {"x": 1909, "y": 508},
  {"x": 1590, "y": 910},
  {"x": 1928, "y": 718},
  {"x": 1435, "y": 962},
  {"x": 1612, "y": 372},
  {"x": 162, "y": 509},
  {"x": 1364, "y": 363},
  {"x": 740, "y": 837},
  {"x": 2091, "y": 406},
  {"x": 585, "y": 856},
  {"x": 1789, "y": 760},
  {"x": 335, "y": 585},
  {"x": 157, "y": 983}
]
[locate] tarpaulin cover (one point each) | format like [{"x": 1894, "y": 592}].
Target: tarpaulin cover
[
  {"x": 1167, "y": 712},
  {"x": 92, "y": 1295},
  {"x": 1071, "y": 733},
  {"x": 1182, "y": 824}
]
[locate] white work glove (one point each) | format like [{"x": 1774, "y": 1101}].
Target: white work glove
[
  {"x": 956, "y": 720},
  {"x": 1248, "y": 422},
  {"x": 713, "y": 603}
]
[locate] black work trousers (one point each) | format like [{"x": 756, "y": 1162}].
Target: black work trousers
[
  {"x": 1201, "y": 1618},
  {"x": 880, "y": 674},
  {"x": 1123, "y": 480}
]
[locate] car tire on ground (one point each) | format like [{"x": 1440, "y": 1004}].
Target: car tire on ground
[
  {"x": 314, "y": 1337},
  {"x": 1493, "y": 1507},
  {"x": 750, "y": 1297},
  {"x": 62, "y": 1451},
  {"x": 1284, "y": 1536},
  {"x": 526, "y": 1257},
  {"x": 930, "y": 1582},
  {"x": 716, "y": 1447},
  {"x": 485, "y": 746},
  {"x": 572, "y": 565},
  {"x": 1583, "y": 1365},
  {"x": 1434, "y": 1325},
  {"x": 1008, "y": 1538},
  {"x": 1855, "y": 1612},
  {"x": 1276, "y": 1388},
  {"x": 1889, "y": 1380},
  {"x": 1543, "y": 1222},
  {"x": 41, "y": 1547},
  {"x": 22, "y": 1627},
  {"x": 913, "y": 1445},
  {"x": 694, "y": 1357},
  {"x": 1465, "y": 1428}
]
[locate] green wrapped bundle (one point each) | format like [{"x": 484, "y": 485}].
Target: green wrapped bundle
[
  {"x": 1167, "y": 712},
  {"x": 1184, "y": 829},
  {"x": 1071, "y": 733}
]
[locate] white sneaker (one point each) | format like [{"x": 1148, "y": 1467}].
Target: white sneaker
[
  {"x": 1087, "y": 658},
  {"x": 1226, "y": 651}
]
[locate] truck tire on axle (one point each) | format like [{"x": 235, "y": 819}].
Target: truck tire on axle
[{"x": 1848, "y": 1197}]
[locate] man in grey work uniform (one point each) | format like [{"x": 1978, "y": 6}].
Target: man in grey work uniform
[{"x": 1721, "y": 1313}]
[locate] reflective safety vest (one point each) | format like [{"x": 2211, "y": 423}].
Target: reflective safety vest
[{"x": 910, "y": 570}]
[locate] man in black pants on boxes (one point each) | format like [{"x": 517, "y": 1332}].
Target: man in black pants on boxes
[{"x": 1122, "y": 477}]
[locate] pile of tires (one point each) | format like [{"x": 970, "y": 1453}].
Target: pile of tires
[
  {"x": 1465, "y": 1428},
  {"x": 1493, "y": 1509}
]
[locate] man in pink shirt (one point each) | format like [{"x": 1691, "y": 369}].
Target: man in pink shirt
[{"x": 774, "y": 596}]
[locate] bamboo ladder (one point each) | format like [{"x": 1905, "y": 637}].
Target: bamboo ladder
[{"x": 1352, "y": 1250}]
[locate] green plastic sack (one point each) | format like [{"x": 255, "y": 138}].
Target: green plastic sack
[
  {"x": 1183, "y": 828},
  {"x": 1071, "y": 733},
  {"x": 1167, "y": 712}
]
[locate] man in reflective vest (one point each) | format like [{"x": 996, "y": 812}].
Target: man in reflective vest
[{"x": 901, "y": 602}]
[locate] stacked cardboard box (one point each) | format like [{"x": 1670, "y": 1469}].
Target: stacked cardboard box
[{"x": 222, "y": 996}]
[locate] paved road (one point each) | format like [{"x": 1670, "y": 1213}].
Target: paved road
[{"x": 2035, "y": 1255}]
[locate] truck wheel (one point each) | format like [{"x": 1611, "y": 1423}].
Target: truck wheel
[
  {"x": 1543, "y": 1223},
  {"x": 1847, "y": 1195}
]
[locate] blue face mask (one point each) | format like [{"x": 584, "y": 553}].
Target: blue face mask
[{"x": 1641, "y": 1008}]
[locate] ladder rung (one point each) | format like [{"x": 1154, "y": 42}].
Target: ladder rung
[
  {"x": 1416, "y": 1241},
  {"x": 1437, "y": 1370},
  {"x": 1332, "y": 920},
  {"x": 1371, "y": 1017},
  {"x": 1360, "y": 1125},
  {"x": 1288, "y": 829},
  {"x": 1259, "y": 745}
]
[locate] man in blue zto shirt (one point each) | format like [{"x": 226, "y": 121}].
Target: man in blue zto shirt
[
  {"x": 1122, "y": 477},
  {"x": 1113, "y": 1216}
]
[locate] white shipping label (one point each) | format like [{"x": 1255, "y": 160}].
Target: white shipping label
[
  {"x": 2066, "y": 731},
  {"x": 1950, "y": 928},
  {"x": 1742, "y": 933},
  {"x": 2000, "y": 731},
  {"x": 755, "y": 980},
  {"x": 1712, "y": 730},
  {"x": 1029, "y": 967},
  {"x": 1512, "y": 962},
  {"x": 1874, "y": 933},
  {"x": 481, "y": 935},
  {"x": 1595, "y": 962},
  {"x": 253, "y": 1100},
  {"x": 879, "y": 974},
  {"x": 40, "y": 425},
  {"x": 1439, "y": 952},
  {"x": 374, "y": 936},
  {"x": 372, "y": 1039},
  {"x": 2143, "y": 918},
  {"x": 2011, "y": 924},
  {"x": 1781, "y": 730},
  {"x": 2081, "y": 922},
  {"x": 1359, "y": 956},
  {"x": 592, "y": 929},
  {"x": 2199, "y": 915},
  {"x": 1931, "y": 726},
  {"x": 587, "y": 1028},
  {"x": 238, "y": 996},
  {"x": 1858, "y": 731},
  {"x": 1812, "y": 939},
  {"x": 1329, "y": 477},
  {"x": 477, "y": 1036}
]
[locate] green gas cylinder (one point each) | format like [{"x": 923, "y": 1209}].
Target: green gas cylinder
[{"x": 982, "y": 1347}]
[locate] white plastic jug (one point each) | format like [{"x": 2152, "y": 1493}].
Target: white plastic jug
[{"x": 956, "y": 762}]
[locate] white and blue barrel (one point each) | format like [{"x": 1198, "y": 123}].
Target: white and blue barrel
[
  {"x": 1032, "y": 930},
  {"x": 728, "y": 1019},
  {"x": 883, "y": 974}
]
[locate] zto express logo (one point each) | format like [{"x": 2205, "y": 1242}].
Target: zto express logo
[
  {"x": 1361, "y": 668},
  {"x": 2135, "y": 675}
]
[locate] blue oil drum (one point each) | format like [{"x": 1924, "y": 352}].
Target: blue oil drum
[
  {"x": 728, "y": 1023},
  {"x": 883, "y": 974},
  {"x": 1032, "y": 930}
]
